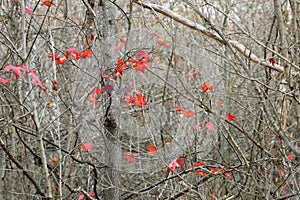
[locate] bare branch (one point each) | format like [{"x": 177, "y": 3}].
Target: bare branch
[{"x": 195, "y": 26}]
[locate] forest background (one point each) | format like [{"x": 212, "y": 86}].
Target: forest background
[{"x": 191, "y": 99}]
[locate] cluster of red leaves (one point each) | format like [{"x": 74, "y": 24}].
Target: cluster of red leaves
[
  {"x": 212, "y": 170},
  {"x": 230, "y": 117},
  {"x": 120, "y": 45},
  {"x": 188, "y": 113},
  {"x": 90, "y": 41},
  {"x": 87, "y": 147},
  {"x": 204, "y": 88},
  {"x": 160, "y": 42},
  {"x": 81, "y": 197},
  {"x": 138, "y": 100},
  {"x": 118, "y": 71},
  {"x": 179, "y": 162},
  {"x": 142, "y": 63},
  {"x": 129, "y": 157},
  {"x": 47, "y": 3},
  {"x": 71, "y": 53},
  {"x": 151, "y": 150},
  {"x": 17, "y": 72},
  {"x": 96, "y": 92}
]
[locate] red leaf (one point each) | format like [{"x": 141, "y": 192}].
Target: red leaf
[
  {"x": 47, "y": 3},
  {"x": 281, "y": 173},
  {"x": 118, "y": 48},
  {"x": 61, "y": 61},
  {"x": 197, "y": 128},
  {"x": 142, "y": 55},
  {"x": 188, "y": 113},
  {"x": 81, "y": 197},
  {"x": 152, "y": 150},
  {"x": 179, "y": 162},
  {"x": 213, "y": 170},
  {"x": 108, "y": 89},
  {"x": 3, "y": 81},
  {"x": 86, "y": 54},
  {"x": 97, "y": 91},
  {"x": 87, "y": 147},
  {"x": 122, "y": 41},
  {"x": 272, "y": 61},
  {"x": 206, "y": 87},
  {"x": 199, "y": 164},
  {"x": 290, "y": 157},
  {"x": 201, "y": 174},
  {"x": 139, "y": 65},
  {"x": 210, "y": 126},
  {"x": 28, "y": 11},
  {"x": 162, "y": 43},
  {"x": 129, "y": 159},
  {"x": 54, "y": 57},
  {"x": 36, "y": 80},
  {"x": 54, "y": 85},
  {"x": 219, "y": 104},
  {"x": 53, "y": 186},
  {"x": 14, "y": 69},
  {"x": 73, "y": 53},
  {"x": 92, "y": 99},
  {"x": 230, "y": 117},
  {"x": 179, "y": 109},
  {"x": 92, "y": 194},
  {"x": 140, "y": 101},
  {"x": 227, "y": 174},
  {"x": 130, "y": 100}
]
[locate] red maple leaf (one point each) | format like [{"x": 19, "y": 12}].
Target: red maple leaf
[
  {"x": 210, "y": 126},
  {"x": 201, "y": 174},
  {"x": 86, "y": 54},
  {"x": 129, "y": 100},
  {"x": 139, "y": 65},
  {"x": 97, "y": 91},
  {"x": 152, "y": 150},
  {"x": 87, "y": 147},
  {"x": 3, "y": 81},
  {"x": 290, "y": 157},
  {"x": 108, "y": 89},
  {"x": 73, "y": 53},
  {"x": 129, "y": 159},
  {"x": 28, "y": 11},
  {"x": 179, "y": 162},
  {"x": 197, "y": 128},
  {"x": 142, "y": 55},
  {"x": 188, "y": 113},
  {"x": 206, "y": 87},
  {"x": 36, "y": 80},
  {"x": 14, "y": 69},
  {"x": 199, "y": 164},
  {"x": 230, "y": 117},
  {"x": 178, "y": 108},
  {"x": 272, "y": 61},
  {"x": 219, "y": 104},
  {"x": 54, "y": 85},
  {"x": 61, "y": 61},
  {"x": 213, "y": 170},
  {"x": 47, "y": 3},
  {"x": 227, "y": 174},
  {"x": 120, "y": 45},
  {"x": 162, "y": 43},
  {"x": 54, "y": 57},
  {"x": 140, "y": 101}
]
